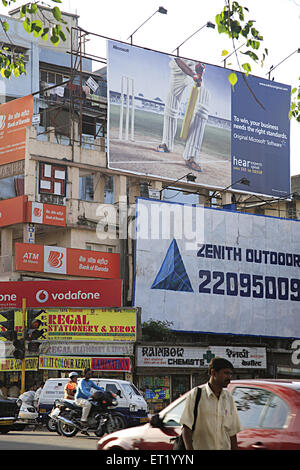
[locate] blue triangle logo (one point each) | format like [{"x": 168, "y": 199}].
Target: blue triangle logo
[{"x": 172, "y": 274}]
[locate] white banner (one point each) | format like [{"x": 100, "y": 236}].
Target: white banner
[
  {"x": 241, "y": 357},
  {"x": 217, "y": 271}
]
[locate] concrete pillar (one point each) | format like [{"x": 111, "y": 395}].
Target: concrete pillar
[
  {"x": 6, "y": 249},
  {"x": 226, "y": 198},
  {"x": 99, "y": 187}
]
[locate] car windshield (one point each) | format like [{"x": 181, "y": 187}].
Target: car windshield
[
  {"x": 172, "y": 417},
  {"x": 130, "y": 389}
]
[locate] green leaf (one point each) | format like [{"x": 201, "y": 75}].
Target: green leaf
[
  {"x": 232, "y": 77},
  {"x": 224, "y": 52},
  {"x": 5, "y": 26},
  {"x": 247, "y": 68},
  {"x": 55, "y": 40},
  {"x": 56, "y": 13},
  {"x": 27, "y": 25}
]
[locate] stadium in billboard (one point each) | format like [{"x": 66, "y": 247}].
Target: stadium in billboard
[
  {"x": 169, "y": 116},
  {"x": 240, "y": 275}
]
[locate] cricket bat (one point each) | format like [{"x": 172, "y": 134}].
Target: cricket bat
[{"x": 189, "y": 112}]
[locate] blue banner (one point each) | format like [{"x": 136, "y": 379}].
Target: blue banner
[{"x": 260, "y": 137}]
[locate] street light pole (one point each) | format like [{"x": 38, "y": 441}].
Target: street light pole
[
  {"x": 160, "y": 10},
  {"x": 209, "y": 24}
]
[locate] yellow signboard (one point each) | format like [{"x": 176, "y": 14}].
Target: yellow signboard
[
  {"x": 10, "y": 364},
  {"x": 99, "y": 324},
  {"x": 91, "y": 324},
  {"x": 66, "y": 363}
]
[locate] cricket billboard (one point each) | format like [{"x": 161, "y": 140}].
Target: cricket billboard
[
  {"x": 214, "y": 271},
  {"x": 169, "y": 116}
]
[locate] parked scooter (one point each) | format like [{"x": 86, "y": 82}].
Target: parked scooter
[{"x": 102, "y": 418}]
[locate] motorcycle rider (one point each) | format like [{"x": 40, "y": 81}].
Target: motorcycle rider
[
  {"x": 71, "y": 386},
  {"x": 83, "y": 392}
]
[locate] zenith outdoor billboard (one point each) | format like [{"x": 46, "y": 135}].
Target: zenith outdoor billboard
[
  {"x": 169, "y": 116},
  {"x": 215, "y": 271}
]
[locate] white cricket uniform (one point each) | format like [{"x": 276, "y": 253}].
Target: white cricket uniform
[{"x": 178, "y": 83}]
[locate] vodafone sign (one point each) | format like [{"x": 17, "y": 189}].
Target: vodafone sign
[{"x": 90, "y": 293}]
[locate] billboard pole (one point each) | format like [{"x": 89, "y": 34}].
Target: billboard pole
[{"x": 23, "y": 336}]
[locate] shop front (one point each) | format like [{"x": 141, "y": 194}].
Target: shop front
[
  {"x": 101, "y": 339},
  {"x": 166, "y": 372}
]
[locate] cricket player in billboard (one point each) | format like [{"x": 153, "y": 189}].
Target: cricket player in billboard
[
  {"x": 168, "y": 114},
  {"x": 193, "y": 125}
]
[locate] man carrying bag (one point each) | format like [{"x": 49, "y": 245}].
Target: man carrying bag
[{"x": 217, "y": 421}]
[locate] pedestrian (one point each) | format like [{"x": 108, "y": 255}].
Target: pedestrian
[
  {"x": 217, "y": 420},
  {"x": 14, "y": 390},
  {"x": 37, "y": 395},
  {"x": 71, "y": 386},
  {"x": 3, "y": 390},
  {"x": 28, "y": 397},
  {"x": 183, "y": 73}
]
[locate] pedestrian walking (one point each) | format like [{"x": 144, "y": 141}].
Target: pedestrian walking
[{"x": 217, "y": 422}]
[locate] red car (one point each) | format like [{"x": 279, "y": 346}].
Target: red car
[{"x": 269, "y": 411}]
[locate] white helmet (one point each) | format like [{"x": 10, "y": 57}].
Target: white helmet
[{"x": 73, "y": 374}]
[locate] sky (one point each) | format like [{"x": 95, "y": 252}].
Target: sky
[{"x": 277, "y": 20}]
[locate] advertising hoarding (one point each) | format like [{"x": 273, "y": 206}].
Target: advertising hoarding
[
  {"x": 71, "y": 261},
  {"x": 169, "y": 116},
  {"x": 238, "y": 275},
  {"x": 81, "y": 293},
  {"x": 15, "y": 117}
]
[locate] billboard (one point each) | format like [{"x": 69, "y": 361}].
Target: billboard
[
  {"x": 215, "y": 271},
  {"x": 169, "y": 116},
  {"x": 71, "y": 261},
  {"x": 15, "y": 117},
  {"x": 42, "y": 294}
]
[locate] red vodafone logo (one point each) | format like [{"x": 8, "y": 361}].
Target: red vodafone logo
[{"x": 42, "y": 296}]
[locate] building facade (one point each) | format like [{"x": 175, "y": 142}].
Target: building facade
[{"x": 65, "y": 174}]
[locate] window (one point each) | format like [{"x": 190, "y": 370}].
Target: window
[
  {"x": 109, "y": 190},
  {"x": 86, "y": 187},
  {"x": 111, "y": 388},
  {"x": 260, "y": 408},
  {"x": 173, "y": 416}
]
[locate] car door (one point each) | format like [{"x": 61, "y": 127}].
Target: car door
[{"x": 264, "y": 417}]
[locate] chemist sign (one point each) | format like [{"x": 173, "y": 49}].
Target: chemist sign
[{"x": 241, "y": 357}]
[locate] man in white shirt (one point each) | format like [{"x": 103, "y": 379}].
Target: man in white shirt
[{"x": 217, "y": 421}]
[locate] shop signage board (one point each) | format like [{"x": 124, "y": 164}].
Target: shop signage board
[
  {"x": 75, "y": 293},
  {"x": 241, "y": 357},
  {"x": 109, "y": 364},
  {"x": 15, "y": 117},
  {"x": 87, "y": 348},
  {"x": 47, "y": 214},
  {"x": 85, "y": 324},
  {"x": 10, "y": 364},
  {"x": 13, "y": 211},
  {"x": 18, "y": 210},
  {"x": 91, "y": 324},
  {"x": 229, "y": 133},
  {"x": 215, "y": 271},
  {"x": 70, "y": 261}
]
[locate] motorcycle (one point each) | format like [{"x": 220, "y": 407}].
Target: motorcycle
[{"x": 102, "y": 418}]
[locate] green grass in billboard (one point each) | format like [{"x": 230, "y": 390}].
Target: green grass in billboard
[{"x": 148, "y": 127}]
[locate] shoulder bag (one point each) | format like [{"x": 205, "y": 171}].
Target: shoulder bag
[{"x": 178, "y": 443}]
